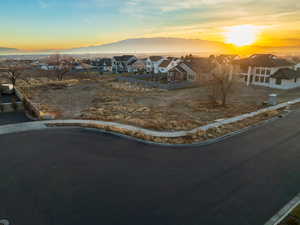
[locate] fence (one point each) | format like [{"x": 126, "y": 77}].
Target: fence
[{"x": 152, "y": 84}]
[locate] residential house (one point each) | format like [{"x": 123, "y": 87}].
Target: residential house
[
  {"x": 166, "y": 65},
  {"x": 130, "y": 68},
  {"x": 45, "y": 66},
  {"x": 285, "y": 78},
  {"x": 138, "y": 65},
  {"x": 259, "y": 68},
  {"x": 120, "y": 63},
  {"x": 192, "y": 69},
  {"x": 83, "y": 66},
  {"x": 103, "y": 64},
  {"x": 152, "y": 64},
  {"x": 177, "y": 74}
]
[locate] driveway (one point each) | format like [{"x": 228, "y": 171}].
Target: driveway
[{"x": 78, "y": 176}]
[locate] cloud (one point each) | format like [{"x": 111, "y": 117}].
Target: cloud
[
  {"x": 43, "y": 4},
  {"x": 150, "y": 7}
]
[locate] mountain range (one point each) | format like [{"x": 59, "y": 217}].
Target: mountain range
[
  {"x": 155, "y": 45},
  {"x": 178, "y": 46},
  {"x": 3, "y": 49}
]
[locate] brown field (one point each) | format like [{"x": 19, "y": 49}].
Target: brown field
[
  {"x": 103, "y": 98},
  {"x": 91, "y": 96}
]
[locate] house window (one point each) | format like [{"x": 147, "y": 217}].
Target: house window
[
  {"x": 278, "y": 81},
  {"x": 268, "y": 72},
  {"x": 263, "y": 71},
  {"x": 246, "y": 78},
  {"x": 295, "y": 79},
  {"x": 261, "y": 79},
  {"x": 191, "y": 77},
  {"x": 257, "y": 71},
  {"x": 257, "y": 79},
  {"x": 267, "y": 80}
]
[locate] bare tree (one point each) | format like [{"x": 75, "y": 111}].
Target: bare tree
[
  {"x": 14, "y": 71},
  {"x": 221, "y": 83},
  {"x": 61, "y": 65}
]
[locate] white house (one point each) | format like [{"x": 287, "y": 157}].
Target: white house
[
  {"x": 285, "y": 79},
  {"x": 103, "y": 64},
  {"x": 259, "y": 69},
  {"x": 45, "y": 66},
  {"x": 152, "y": 64}
]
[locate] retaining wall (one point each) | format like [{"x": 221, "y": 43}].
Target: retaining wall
[{"x": 29, "y": 106}]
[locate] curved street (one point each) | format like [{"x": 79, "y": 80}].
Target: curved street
[{"x": 79, "y": 176}]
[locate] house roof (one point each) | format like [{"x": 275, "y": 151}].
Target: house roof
[
  {"x": 140, "y": 61},
  {"x": 106, "y": 61},
  {"x": 172, "y": 58},
  {"x": 86, "y": 66},
  {"x": 155, "y": 58},
  {"x": 165, "y": 63},
  {"x": 200, "y": 65},
  {"x": 264, "y": 60},
  {"x": 132, "y": 62},
  {"x": 286, "y": 74},
  {"x": 123, "y": 58},
  {"x": 178, "y": 68}
]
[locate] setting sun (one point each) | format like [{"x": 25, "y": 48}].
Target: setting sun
[{"x": 242, "y": 35}]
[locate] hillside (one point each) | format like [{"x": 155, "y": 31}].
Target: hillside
[{"x": 158, "y": 45}]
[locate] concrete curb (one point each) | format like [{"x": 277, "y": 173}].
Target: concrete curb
[
  {"x": 195, "y": 144},
  {"x": 43, "y": 125},
  {"x": 22, "y": 127},
  {"x": 4, "y": 222},
  {"x": 284, "y": 211}
]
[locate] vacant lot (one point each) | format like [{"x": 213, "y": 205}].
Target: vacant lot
[{"x": 103, "y": 98}]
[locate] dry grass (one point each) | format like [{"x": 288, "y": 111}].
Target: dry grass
[
  {"x": 102, "y": 98},
  {"x": 197, "y": 137}
]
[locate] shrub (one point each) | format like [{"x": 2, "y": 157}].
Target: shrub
[{"x": 14, "y": 103}]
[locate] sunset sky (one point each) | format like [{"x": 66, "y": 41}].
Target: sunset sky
[{"x": 62, "y": 24}]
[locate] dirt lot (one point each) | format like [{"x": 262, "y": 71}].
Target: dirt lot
[{"x": 105, "y": 99}]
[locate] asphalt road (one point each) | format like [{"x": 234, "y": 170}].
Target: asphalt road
[{"x": 76, "y": 176}]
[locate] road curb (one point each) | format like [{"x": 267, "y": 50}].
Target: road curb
[
  {"x": 44, "y": 125},
  {"x": 4, "y": 222},
  {"x": 284, "y": 211},
  {"x": 195, "y": 144}
]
